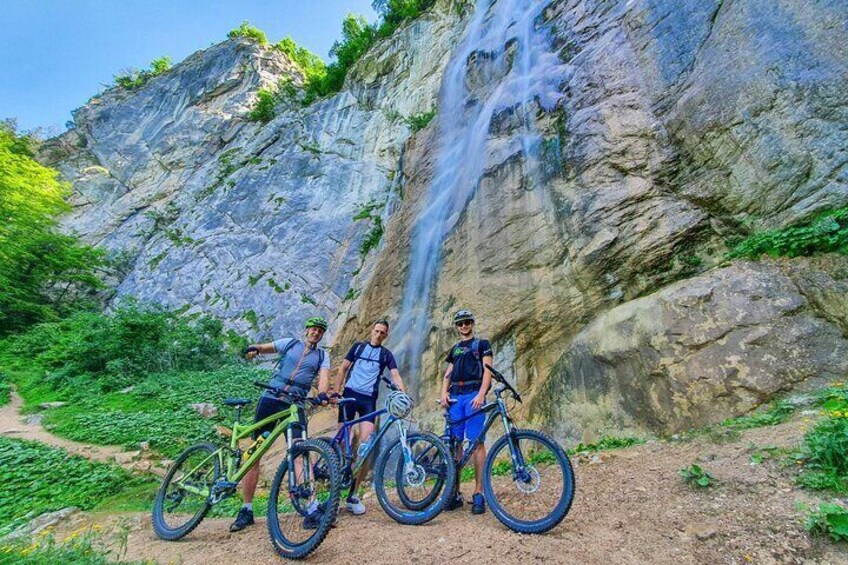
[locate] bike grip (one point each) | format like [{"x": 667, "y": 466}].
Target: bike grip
[{"x": 391, "y": 385}]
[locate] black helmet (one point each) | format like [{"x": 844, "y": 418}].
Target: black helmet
[
  {"x": 463, "y": 315},
  {"x": 316, "y": 322}
]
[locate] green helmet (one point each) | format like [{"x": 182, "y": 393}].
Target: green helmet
[{"x": 316, "y": 322}]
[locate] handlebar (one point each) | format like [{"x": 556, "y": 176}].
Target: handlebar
[
  {"x": 390, "y": 384},
  {"x": 501, "y": 379},
  {"x": 293, "y": 398}
]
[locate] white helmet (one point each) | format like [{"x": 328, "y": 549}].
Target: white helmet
[{"x": 399, "y": 404}]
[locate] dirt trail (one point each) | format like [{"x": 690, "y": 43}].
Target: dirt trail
[
  {"x": 631, "y": 507},
  {"x": 15, "y": 425}
]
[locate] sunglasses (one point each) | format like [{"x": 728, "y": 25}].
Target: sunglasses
[{"x": 465, "y": 323}]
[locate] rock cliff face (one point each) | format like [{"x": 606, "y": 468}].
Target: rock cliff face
[{"x": 592, "y": 259}]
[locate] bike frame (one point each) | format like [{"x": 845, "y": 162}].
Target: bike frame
[
  {"x": 233, "y": 475},
  {"x": 494, "y": 409},
  {"x": 343, "y": 437}
]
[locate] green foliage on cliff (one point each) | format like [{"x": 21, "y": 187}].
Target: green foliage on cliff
[
  {"x": 311, "y": 64},
  {"x": 421, "y": 121},
  {"x": 134, "y": 78},
  {"x": 320, "y": 79},
  {"x": 43, "y": 273},
  {"x": 265, "y": 108},
  {"x": 250, "y": 32},
  {"x": 827, "y": 233},
  {"x": 396, "y": 12}
]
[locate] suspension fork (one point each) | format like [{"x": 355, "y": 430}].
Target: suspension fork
[
  {"x": 518, "y": 463},
  {"x": 306, "y": 467}
]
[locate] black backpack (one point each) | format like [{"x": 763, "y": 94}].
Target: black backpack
[{"x": 358, "y": 348}]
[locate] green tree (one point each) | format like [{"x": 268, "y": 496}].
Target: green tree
[{"x": 41, "y": 270}]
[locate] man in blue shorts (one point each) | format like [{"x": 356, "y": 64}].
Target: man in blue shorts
[
  {"x": 467, "y": 381},
  {"x": 300, "y": 363},
  {"x": 363, "y": 365}
]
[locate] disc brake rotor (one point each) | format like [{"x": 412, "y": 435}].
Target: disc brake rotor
[
  {"x": 528, "y": 480},
  {"x": 414, "y": 475}
]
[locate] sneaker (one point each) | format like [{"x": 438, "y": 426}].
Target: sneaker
[
  {"x": 355, "y": 506},
  {"x": 456, "y": 502},
  {"x": 478, "y": 504},
  {"x": 243, "y": 520}
]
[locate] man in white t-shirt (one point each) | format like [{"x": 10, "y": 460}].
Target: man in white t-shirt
[{"x": 364, "y": 365}]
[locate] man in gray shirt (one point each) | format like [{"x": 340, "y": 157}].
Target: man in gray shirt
[
  {"x": 300, "y": 363},
  {"x": 366, "y": 362}
]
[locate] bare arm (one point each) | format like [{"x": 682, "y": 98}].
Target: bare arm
[
  {"x": 261, "y": 349},
  {"x": 323, "y": 381},
  {"x": 446, "y": 384},
  {"x": 487, "y": 375},
  {"x": 340, "y": 375},
  {"x": 396, "y": 379}
]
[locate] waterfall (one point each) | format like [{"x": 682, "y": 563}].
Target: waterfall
[{"x": 511, "y": 59}]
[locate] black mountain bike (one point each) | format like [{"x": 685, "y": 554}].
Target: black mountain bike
[{"x": 528, "y": 481}]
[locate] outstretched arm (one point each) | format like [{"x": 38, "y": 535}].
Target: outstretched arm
[{"x": 260, "y": 349}]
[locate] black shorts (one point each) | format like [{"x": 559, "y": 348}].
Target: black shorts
[
  {"x": 365, "y": 404},
  {"x": 270, "y": 406}
]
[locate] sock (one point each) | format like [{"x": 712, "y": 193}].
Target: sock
[
  {"x": 248, "y": 505},
  {"x": 313, "y": 506}
]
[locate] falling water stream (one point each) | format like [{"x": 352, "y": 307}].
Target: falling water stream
[{"x": 504, "y": 62}]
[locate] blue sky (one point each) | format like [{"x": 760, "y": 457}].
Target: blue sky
[{"x": 56, "y": 54}]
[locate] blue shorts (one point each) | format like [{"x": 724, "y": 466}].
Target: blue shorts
[{"x": 470, "y": 428}]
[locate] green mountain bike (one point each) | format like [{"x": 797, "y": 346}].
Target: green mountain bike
[{"x": 301, "y": 505}]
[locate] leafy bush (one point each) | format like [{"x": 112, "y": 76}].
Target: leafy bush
[
  {"x": 396, "y": 12},
  {"x": 38, "y": 479},
  {"x": 132, "y": 79},
  {"x": 831, "y": 520},
  {"x": 5, "y": 390},
  {"x": 694, "y": 475},
  {"x": 90, "y": 353},
  {"x": 419, "y": 122},
  {"x": 824, "y": 453},
  {"x": 777, "y": 413},
  {"x": 250, "y": 32},
  {"x": 265, "y": 108},
  {"x": 311, "y": 64},
  {"x": 373, "y": 237},
  {"x": 44, "y": 274},
  {"x": 828, "y": 233},
  {"x": 157, "y": 410}
]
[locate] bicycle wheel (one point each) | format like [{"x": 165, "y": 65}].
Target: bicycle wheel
[
  {"x": 302, "y": 505},
  {"x": 530, "y": 497},
  {"x": 415, "y": 492},
  {"x": 180, "y": 503}
]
